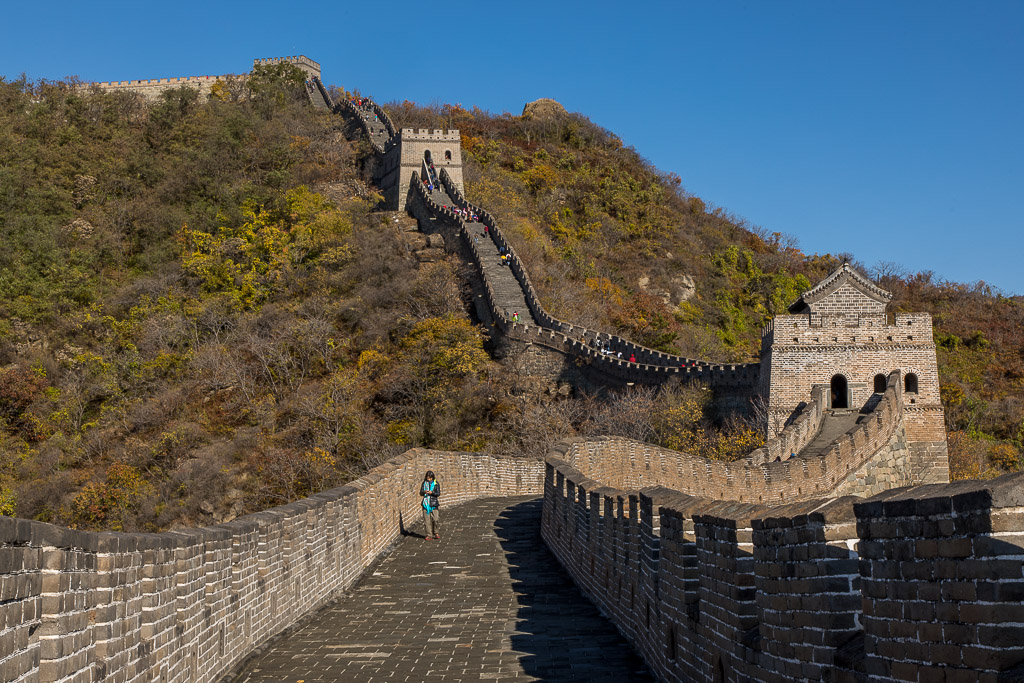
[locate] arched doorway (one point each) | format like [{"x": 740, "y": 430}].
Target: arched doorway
[
  {"x": 447, "y": 155},
  {"x": 879, "y": 383},
  {"x": 840, "y": 392},
  {"x": 910, "y": 383},
  {"x": 426, "y": 157}
]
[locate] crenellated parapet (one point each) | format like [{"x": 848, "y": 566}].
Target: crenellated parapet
[
  {"x": 311, "y": 67},
  {"x": 839, "y": 335},
  {"x": 650, "y": 367},
  {"x": 914, "y": 584},
  {"x": 857, "y": 462},
  {"x": 191, "y": 604},
  {"x": 152, "y": 88}
]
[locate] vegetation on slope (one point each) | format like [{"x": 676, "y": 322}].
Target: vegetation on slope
[
  {"x": 191, "y": 330},
  {"x": 613, "y": 243}
]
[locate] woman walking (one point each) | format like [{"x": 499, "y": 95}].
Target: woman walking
[{"x": 430, "y": 490}]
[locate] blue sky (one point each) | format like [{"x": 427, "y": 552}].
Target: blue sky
[{"x": 891, "y": 130}]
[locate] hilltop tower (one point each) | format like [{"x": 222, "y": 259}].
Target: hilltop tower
[
  {"x": 414, "y": 151},
  {"x": 311, "y": 68},
  {"x": 152, "y": 88},
  {"x": 840, "y": 335}
]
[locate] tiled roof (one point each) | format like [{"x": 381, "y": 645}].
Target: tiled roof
[{"x": 836, "y": 279}]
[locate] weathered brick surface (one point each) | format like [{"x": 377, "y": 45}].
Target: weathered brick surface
[
  {"x": 188, "y": 605},
  {"x": 943, "y": 579},
  {"x": 922, "y": 583},
  {"x": 841, "y": 329},
  {"x": 485, "y": 602},
  {"x": 871, "y": 458}
]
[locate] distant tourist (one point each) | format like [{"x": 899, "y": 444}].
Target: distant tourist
[
  {"x": 515, "y": 317},
  {"x": 632, "y": 358},
  {"x": 430, "y": 490}
]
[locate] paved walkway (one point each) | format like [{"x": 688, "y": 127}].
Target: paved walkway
[
  {"x": 378, "y": 131},
  {"x": 508, "y": 293},
  {"x": 487, "y": 602},
  {"x": 832, "y": 427}
]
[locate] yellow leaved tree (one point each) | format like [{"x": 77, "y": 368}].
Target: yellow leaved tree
[{"x": 247, "y": 261}]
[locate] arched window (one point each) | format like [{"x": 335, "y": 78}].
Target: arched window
[
  {"x": 840, "y": 390},
  {"x": 910, "y": 383},
  {"x": 426, "y": 157},
  {"x": 447, "y": 155},
  {"x": 879, "y": 383}
]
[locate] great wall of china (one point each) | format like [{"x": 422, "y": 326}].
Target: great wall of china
[{"x": 835, "y": 552}]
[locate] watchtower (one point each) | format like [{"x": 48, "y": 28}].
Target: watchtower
[
  {"x": 311, "y": 68},
  {"x": 839, "y": 335},
  {"x": 420, "y": 151}
]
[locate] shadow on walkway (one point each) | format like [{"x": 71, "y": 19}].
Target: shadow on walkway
[
  {"x": 486, "y": 602},
  {"x": 560, "y": 632}
]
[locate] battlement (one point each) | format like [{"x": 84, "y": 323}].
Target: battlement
[
  {"x": 852, "y": 465},
  {"x": 301, "y": 61},
  {"x": 167, "y": 82},
  {"x": 199, "y": 601},
  {"x": 915, "y": 584},
  {"x": 438, "y": 134},
  {"x": 151, "y": 88},
  {"x": 650, "y": 367},
  {"x": 902, "y": 329}
]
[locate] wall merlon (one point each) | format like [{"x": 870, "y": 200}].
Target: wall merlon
[{"x": 212, "y": 571}]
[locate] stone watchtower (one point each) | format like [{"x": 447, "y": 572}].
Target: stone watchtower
[
  {"x": 413, "y": 151},
  {"x": 840, "y": 335},
  {"x": 311, "y": 68}
]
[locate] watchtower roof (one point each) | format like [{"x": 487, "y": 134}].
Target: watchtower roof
[{"x": 843, "y": 275}]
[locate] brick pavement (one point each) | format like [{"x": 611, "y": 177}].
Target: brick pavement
[
  {"x": 508, "y": 293},
  {"x": 486, "y": 602}
]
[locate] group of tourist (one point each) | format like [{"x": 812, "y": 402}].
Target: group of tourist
[
  {"x": 607, "y": 351},
  {"x": 464, "y": 214}
]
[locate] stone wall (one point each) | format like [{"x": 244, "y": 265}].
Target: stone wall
[
  {"x": 152, "y": 88},
  {"x": 440, "y": 144},
  {"x": 311, "y": 67},
  {"x": 732, "y": 383},
  {"x": 872, "y": 457},
  {"x": 190, "y": 605},
  {"x": 920, "y": 584},
  {"x": 798, "y": 354}
]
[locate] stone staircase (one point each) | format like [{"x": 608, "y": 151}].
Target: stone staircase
[
  {"x": 318, "y": 95},
  {"x": 508, "y": 293},
  {"x": 833, "y": 425}
]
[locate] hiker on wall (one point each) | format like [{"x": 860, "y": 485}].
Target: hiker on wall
[{"x": 430, "y": 490}]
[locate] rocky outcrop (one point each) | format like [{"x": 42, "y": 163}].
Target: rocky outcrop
[{"x": 544, "y": 108}]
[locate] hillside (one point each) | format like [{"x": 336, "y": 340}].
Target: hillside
[
  {"x": 652, "y": 262},
  {"x": 202, "y": 313}
]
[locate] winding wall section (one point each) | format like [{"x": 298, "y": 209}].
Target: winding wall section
[
  {"x": 915, "y": 584},
  {"x": 738, "y": 381},
  {"x": 189, "y": 605}
]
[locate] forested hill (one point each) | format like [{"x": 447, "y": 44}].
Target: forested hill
[{"x": 203, "y": 313}]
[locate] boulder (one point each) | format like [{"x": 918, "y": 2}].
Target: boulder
[
  {"x": 680, "y": 288},
  {"x": 544, "y": 108}
]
